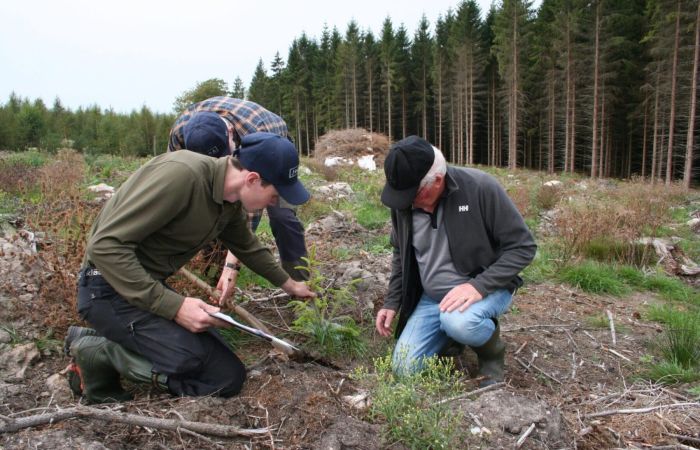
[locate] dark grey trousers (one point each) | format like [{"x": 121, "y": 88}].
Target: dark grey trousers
[
  {"x": 195, "y": 363},
  {"x": 287, "y": 230}
]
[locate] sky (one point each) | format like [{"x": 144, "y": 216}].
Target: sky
[{"x": 123, "y": 54}]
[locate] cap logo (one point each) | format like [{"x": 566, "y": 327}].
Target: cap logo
[{"x": 293, "y": 172}]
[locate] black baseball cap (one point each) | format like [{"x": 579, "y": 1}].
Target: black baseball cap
[
  {"x": 407, "y": 163},
  {"x": 206, "y": 133},
  {"x": 276, "y": 160}
]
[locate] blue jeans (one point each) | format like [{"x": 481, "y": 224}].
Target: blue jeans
[{"x": 428, "y": 330}]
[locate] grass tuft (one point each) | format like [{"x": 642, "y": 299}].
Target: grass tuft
[
  {"x": 595, "y": 278},
  {"x": 410, "y": 405}
]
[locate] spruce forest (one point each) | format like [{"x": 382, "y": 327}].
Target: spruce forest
[{"x": 604, "y": 88}]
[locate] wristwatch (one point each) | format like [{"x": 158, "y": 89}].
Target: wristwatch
[{"x": 236, "y": 267}]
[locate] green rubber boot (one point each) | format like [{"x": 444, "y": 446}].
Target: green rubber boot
[
  {"x": 92, "y": 374},
  {"x": 98, "y": 364},
  {"x": 491, "y": 358}
]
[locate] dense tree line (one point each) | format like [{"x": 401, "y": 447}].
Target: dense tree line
[
  {"x": 27, "y": 124},
  {"x": 602, "y": 87}
]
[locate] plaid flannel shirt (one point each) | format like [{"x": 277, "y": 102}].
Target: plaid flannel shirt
[{"x": 244, "y": 117}]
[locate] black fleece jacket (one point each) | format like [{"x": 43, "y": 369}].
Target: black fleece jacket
[{"x": 488, "y": 240}]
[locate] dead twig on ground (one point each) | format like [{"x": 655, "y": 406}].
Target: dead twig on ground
[
  {"x": 534, "y": 327},
  {"x": 618, "y": 354},
  {"x": 474, "y": 392},
  {"x": 521, "y": 439},
  {"x": 520, "y": 348},
  {"x": 684, "y": 437},
  {"x": 673, "y": 447},
  {"x": 527, "y": 367},
  {"x": 574, "y": 366},
  {"x": 671, "y": 424},
  {"x": 612, "y": 326},
  {"x": 641, "y": 410},
  {"x": 107, "y": 415}
]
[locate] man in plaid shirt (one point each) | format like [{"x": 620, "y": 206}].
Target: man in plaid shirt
[{"x": 215, "y": 127}]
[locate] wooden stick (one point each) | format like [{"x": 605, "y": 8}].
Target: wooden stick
[
  {"x": 527, "y": 367},
  {"x": 474, "y": 392},
  {"x": 675, "y": 427},
  {"x": 251, "y": 319},
  {"x": 683, "y": 437},
  {"x": 612, "y": 326},
  {"x": 131, "y": 419},
  {"x": 673, "y": 447},
  {"x": 524, "y": 436},
  {"x": 520, "y": 348},
  {"x": 612, "y": 412},
  {"x": 618, "y": 354}
]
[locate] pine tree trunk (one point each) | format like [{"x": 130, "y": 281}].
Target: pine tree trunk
[
  {"x": 425, "y": 103},
  {"x": 388, "y": 107},
  {"x": 594, "y": 150},
  {"x": 568, "y": 151},
  {"x": 489, "y": 135},
  {"x": 644, "y": 140},
  {"x": 552, "y": 120},
  {"x": 439, "y": 104},
  {"x": 672, "y": 118},
  {"x": 659, "y": 170},
  {"x": 369, "y": 82},
  {"x": 403, "y": 113},
  {"x": 655, "y": 141},
  {"x": 688, "y": 169},
  {"x": 513, "y": 126},
  {"x": 471, "y": 117},
  {"x": 298, "y": 122},
  {"x": 601, "y": 149},
  {"x": 572, "y": 134},
  {"x": 308, "y": 134},
  {"x": 354, "y": 95},
  {"x": 347, "y": 107}
]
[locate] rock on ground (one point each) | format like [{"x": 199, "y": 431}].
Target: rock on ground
[{"x": 503, "y": 411}]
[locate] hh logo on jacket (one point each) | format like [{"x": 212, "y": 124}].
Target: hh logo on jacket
[{"x": 463, "y": 208}]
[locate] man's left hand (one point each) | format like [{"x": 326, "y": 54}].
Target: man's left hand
[{"x": 460, "y": 297}]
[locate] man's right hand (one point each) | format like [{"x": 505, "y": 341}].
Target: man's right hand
[
  {"x": 193, "y": 315},
  {"x": 383, "y": 323}
]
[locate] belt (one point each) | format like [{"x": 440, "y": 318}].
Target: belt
[{"x": 92, "y": 272}]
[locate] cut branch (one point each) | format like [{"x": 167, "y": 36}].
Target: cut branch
[
  {"x": 612, "y": 412},
  {"x": 527, "y": 367},
  {"x": 524, "y": 436},
  {"x": 10, "y": 425},
  {"x": 612, "y": 327},
  {"x": 472, "y": 393}
]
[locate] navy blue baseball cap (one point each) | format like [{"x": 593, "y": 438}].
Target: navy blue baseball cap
[
  {"x": 407, "y": 163},
  {"x": 206, "y": 133},
  {"x": 276, "y": 160}
]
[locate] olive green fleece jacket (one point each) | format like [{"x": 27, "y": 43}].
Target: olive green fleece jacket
[{"x": 160, "y": 218}]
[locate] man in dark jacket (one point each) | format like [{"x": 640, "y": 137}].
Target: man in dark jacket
[{"x": 459, "y": 244}]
